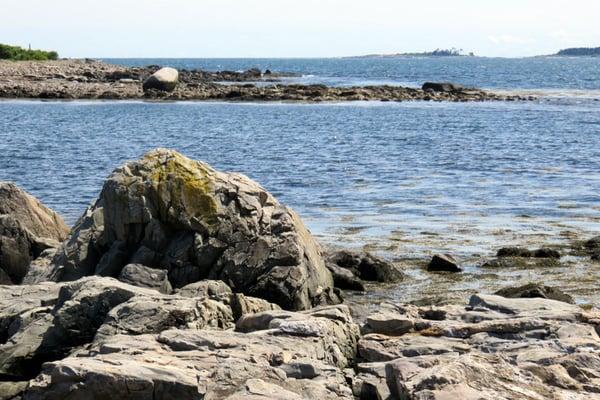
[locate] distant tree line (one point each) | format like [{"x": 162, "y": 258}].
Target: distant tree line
[
  {"x": 580, "y": 51},
  {"x": 17, "y": 53}
]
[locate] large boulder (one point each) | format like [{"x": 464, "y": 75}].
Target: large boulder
[
  {"x": 168, "y": 212},
  {"x": 165, "y": 79},
  {"x": 27, "y": 229}
]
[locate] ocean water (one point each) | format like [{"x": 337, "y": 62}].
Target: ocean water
[
  {"x": 404, "y": 180},
  {"x": 555, "y": 75}
]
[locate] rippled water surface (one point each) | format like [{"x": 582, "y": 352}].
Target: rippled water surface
[
  {"x": 401, "y": 179},
  {"x": 557, "y": 74}
]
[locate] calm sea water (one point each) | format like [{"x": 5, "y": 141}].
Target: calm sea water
[
  {"x": 403, "y": 179},
  {"x": 558, "y": 75}
]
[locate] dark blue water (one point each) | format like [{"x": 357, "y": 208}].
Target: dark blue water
[{"x": 557, "y": 74}]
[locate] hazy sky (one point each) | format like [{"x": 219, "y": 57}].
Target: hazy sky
[{"x": 283, "y": 28}]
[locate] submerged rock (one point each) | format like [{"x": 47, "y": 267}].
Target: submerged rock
[
  {"x": 350, "y": 268},
  {"x": 443, "y": 263},
  {"x": 165, "y": 79},
  {"x": 522, "y": 263},
  {"x": 168, "y": 212},
  {"x": 543, "y": 252},
  {"x": 27, "y": 229},
  {"x": 533, "y": 290}
]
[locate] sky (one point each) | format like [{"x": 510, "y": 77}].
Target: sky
[{"x": 306, "y": 28}]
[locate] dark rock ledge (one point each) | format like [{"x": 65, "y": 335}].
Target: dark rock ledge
[
  {"x": 89, "y": 79},
  {"x": 183, "y": 282}
]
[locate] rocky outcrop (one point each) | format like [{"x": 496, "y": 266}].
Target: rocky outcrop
[
  {"x": 168, "y": 212},
  {"x": 279, "y": 355},
  {"x": 47, "y": 321},
  {"x": 351, "y": 269},
  {"x": 88, "y": 79},
  {"x": 494, "y": 348},
  {"x": 165, "y": 79},
  {"x": 27, "y": 229}
]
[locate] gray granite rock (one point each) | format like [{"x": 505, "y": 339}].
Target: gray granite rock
[{"x": 168, "y": 212}]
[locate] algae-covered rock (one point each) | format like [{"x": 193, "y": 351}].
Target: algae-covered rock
[{"x": 168, "y": 212}]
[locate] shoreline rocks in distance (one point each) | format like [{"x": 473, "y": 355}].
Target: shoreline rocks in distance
[{"x": 89, "y": 79}]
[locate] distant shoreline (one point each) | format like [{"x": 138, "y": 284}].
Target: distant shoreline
[{"x": 95, "y": 80}]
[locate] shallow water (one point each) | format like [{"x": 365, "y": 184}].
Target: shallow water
[{"x": 404, "y": 180}]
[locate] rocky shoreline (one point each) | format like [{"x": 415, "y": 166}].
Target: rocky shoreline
[
  {"x": 184, "y": 282},
  {"x": 90, "y": 79}
]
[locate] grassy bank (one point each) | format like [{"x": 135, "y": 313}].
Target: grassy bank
[{"x": 17, "y": 53}]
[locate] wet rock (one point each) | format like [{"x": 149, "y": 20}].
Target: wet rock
[
  {"x": 522, "y": 263},
  {"x": 513, "y": 252},
  {"x": 443, "y": 87},
  {"x": 543, "y": 252},
  {"x": 593, "y": 243},
  {"x": 443, "y": 262},
  {"x": 27, "y": 229},
  {"x": 365, "y": 266},
  {"x": 168, "y": 212},
  {"x": 142, "y": 276},
  {"x": 165, "y": 79},
  {"x": 494, "y": 348},
  {"x": 533, "y": 290},
  {"x": 344, "y": 278},
  {"x": 546, "y": 253}
]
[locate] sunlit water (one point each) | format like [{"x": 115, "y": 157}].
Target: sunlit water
[{"x": 404, "y": 180}]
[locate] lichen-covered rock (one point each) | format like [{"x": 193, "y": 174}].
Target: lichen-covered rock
[
  {"x": 168, "y": 212},
  {"x": 27, "y": 228},
  {"x": 165, "y": 79}
]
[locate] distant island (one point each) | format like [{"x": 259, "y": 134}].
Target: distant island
[
  {"x": 453, "y": 52},
  {"x": 16, "y": 53},
  {"x": 580, "y": 52}
]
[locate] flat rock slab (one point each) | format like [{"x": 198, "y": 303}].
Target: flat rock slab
[{"x": 494, "y": 348}]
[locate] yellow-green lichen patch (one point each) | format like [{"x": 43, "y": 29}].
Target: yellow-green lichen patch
[{"x": 183, "y": 186}]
